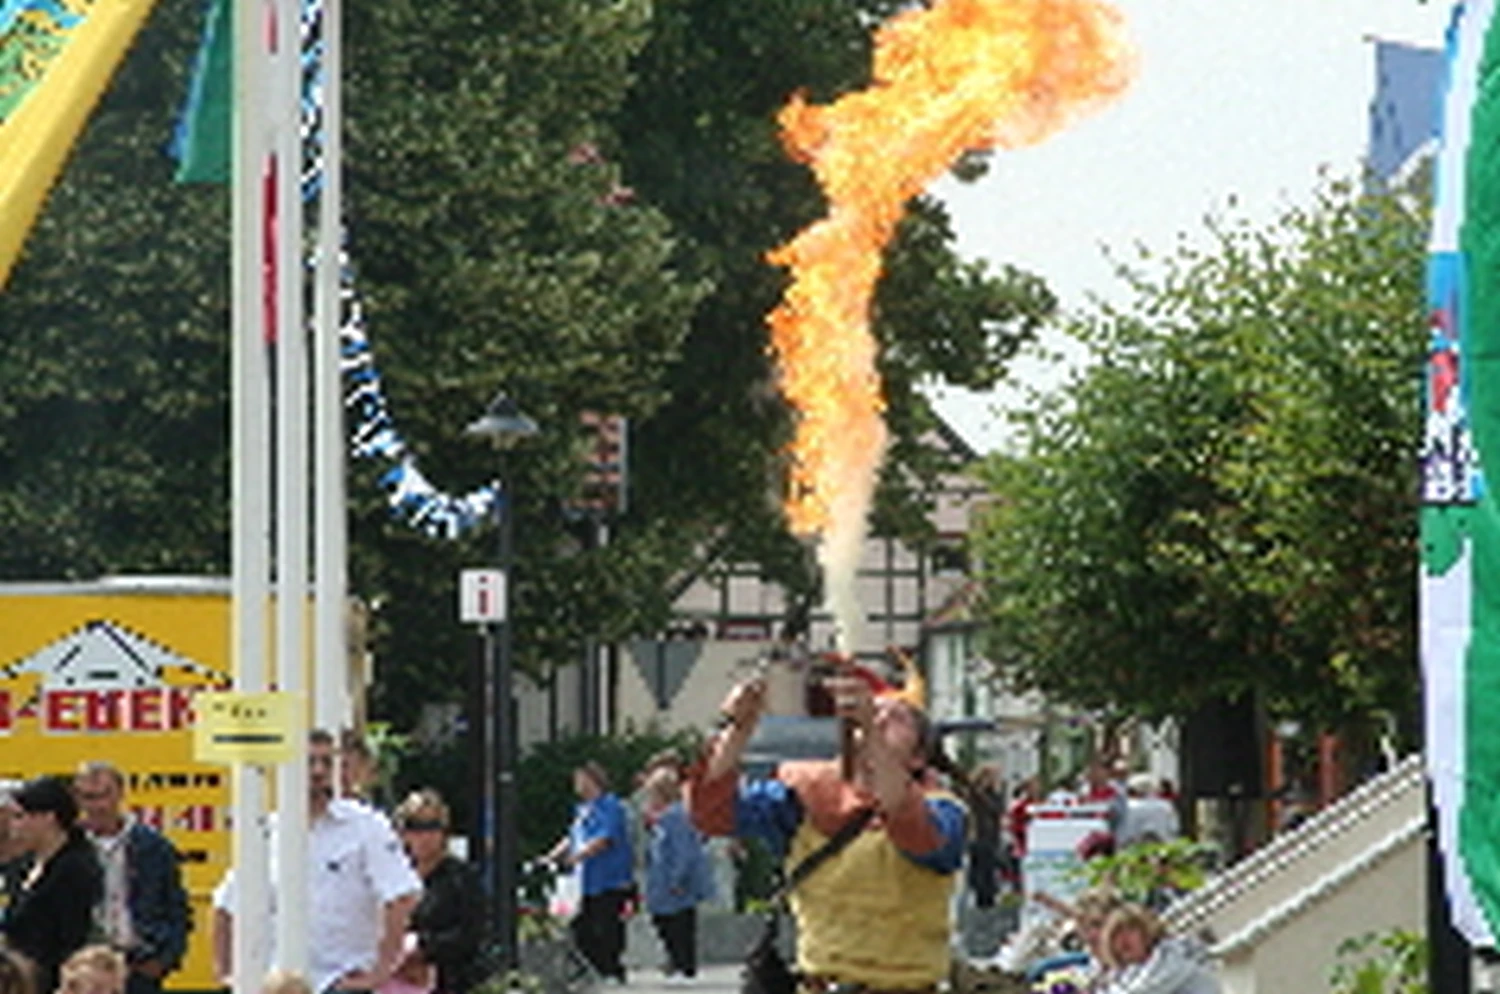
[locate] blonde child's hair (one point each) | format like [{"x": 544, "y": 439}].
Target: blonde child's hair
[
  {"x": 285, "y": 982},
  {"x": 97, "y": 962},
  {"x": 1097, "y": 904},
  {"x": 1135, "y": 916}
]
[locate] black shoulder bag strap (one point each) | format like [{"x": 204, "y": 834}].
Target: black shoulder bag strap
[
  {"x": 811, "y": 862},
  {"x": 823, "y": 853}
]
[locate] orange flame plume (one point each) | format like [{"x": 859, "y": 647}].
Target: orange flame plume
[{"x": 956, "y": 76}]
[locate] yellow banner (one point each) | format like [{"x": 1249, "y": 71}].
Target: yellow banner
[{"x": 35, "y": 140}]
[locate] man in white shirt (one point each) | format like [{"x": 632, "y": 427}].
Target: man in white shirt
[{"x": 361, "y": 888}]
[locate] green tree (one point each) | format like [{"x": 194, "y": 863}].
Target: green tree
[
  {"x": 113, "y": 348},
  {"x": 698, "y": 138},
  {"x": 498, "y": 249},
  {"x": 1225, "y": 498}
]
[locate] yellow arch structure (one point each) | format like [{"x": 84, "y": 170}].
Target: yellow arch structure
[{"x": 36, "y": 138}]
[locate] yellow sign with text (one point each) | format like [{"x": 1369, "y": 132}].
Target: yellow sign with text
[
  {"x": 113, "y": 672},
  {"x": 247, "y": 728}
]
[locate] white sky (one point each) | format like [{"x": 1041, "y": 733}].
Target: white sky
[{"x": 1245, "y": 98}]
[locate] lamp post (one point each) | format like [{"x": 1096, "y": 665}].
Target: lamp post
[{"x": 503, "y": 425}]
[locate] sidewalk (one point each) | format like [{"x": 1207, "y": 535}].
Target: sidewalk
[{"x": 717, "y": 978}]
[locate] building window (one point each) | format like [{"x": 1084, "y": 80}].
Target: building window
[{"x": 950, "y": 555}]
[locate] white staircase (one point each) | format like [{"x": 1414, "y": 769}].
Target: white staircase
[{"x": 1276, "y": 917}]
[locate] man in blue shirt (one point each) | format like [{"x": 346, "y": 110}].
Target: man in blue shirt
[{"x": 598, "y": 844}]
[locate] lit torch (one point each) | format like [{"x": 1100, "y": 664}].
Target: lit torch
[{"x": 842, "y": 664}]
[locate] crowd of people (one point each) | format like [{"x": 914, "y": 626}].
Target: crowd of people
[
  {"x": 94, "y": 901},
  {"x": 877, "y": 842},
  {"x": 893, "y": 828},
  {"x": 80, "y": 875}
]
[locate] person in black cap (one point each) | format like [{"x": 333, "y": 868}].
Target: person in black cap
[{"x": 54, "y": 911}]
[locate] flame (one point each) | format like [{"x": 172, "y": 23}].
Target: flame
[{"x": 959, "y": 75}]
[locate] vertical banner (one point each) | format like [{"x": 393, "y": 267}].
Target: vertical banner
[{"x": 1460, "y": 521}]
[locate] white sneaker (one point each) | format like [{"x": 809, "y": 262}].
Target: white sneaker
[{"x": 678, "y": 980}]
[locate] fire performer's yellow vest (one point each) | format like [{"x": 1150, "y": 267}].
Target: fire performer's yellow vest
[{"x": 870, "y": 915}]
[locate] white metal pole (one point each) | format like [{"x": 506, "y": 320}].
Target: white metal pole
[
  {"x": 250, "y": 481},
  {"x": 330, "y": 527},
  {"x": 291, "y": 481}
]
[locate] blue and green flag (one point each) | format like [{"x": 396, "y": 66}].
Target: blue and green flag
[{"x": 1460, "y": 584}]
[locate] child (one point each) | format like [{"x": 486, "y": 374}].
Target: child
[
  {"x": 285, "y": 982},
  {"x": 93, "y": 970}
]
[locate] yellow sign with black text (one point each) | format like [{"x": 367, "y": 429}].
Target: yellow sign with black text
[{"x": 247, "y": 728}]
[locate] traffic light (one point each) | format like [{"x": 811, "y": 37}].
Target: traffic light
[{"x": 605, "y": 476}]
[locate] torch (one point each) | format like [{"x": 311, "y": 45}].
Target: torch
[{"x": 842, "y": 664}]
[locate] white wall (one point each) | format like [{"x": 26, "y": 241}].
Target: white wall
[
  {"x": 696, "y": 703},
  {"x": 1300, "y": 956}
]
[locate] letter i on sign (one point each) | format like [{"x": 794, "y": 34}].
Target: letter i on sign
[{"x": 481, "y": 596}]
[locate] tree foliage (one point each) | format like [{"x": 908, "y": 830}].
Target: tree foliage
[
  {"x": 113, "y": 354},
  {"x": 699, "y": 139},
  {"x": 499, "y": 249},
  {"x": 1225, "y": 498}
]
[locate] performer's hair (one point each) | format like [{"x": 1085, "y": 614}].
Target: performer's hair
[{"x": 980, "y": 802}]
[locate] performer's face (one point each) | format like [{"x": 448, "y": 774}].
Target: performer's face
[
  {"x": 897, "y": 727},
  {"x": 585, "y": 786}
]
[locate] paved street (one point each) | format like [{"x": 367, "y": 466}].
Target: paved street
[{"x": 719, "y": 978}]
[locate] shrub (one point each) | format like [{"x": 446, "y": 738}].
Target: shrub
[
  {"x": 1151, "y": 873},
  {"x": 1393, "y": 962}
]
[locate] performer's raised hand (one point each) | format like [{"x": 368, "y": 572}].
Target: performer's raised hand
[
  {"x": 738, "y": 716},
  {"x": 744, "y": 704}
]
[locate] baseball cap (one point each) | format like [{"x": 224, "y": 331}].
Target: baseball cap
[{"x": 46, "y": 794}]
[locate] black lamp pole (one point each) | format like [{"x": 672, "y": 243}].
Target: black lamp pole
[
  {"x": 507, "y": 744},
  {"x": 503, "y": 424}
]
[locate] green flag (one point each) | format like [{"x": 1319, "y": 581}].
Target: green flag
[
  {"x": 1460, "y": 464},
  {"x": 203, "y": 143}
]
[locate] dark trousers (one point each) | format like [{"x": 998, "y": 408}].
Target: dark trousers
[
  {"x": 138, "y": 983},
  {"x": 599, "y": 931},
  {"x": 984, "y": 874},
  {"x": 679, "y": 933}
]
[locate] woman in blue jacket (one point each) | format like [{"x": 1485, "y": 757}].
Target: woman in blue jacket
[{"x": 678, "y": 875}]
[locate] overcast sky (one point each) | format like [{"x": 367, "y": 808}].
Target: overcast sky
[{"x": 1244, "y": 98}]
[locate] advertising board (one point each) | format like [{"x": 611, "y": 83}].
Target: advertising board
[{"x": 109, "y": 671}]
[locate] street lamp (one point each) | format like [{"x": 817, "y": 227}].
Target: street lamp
[{"x": 503, "y": 424}]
